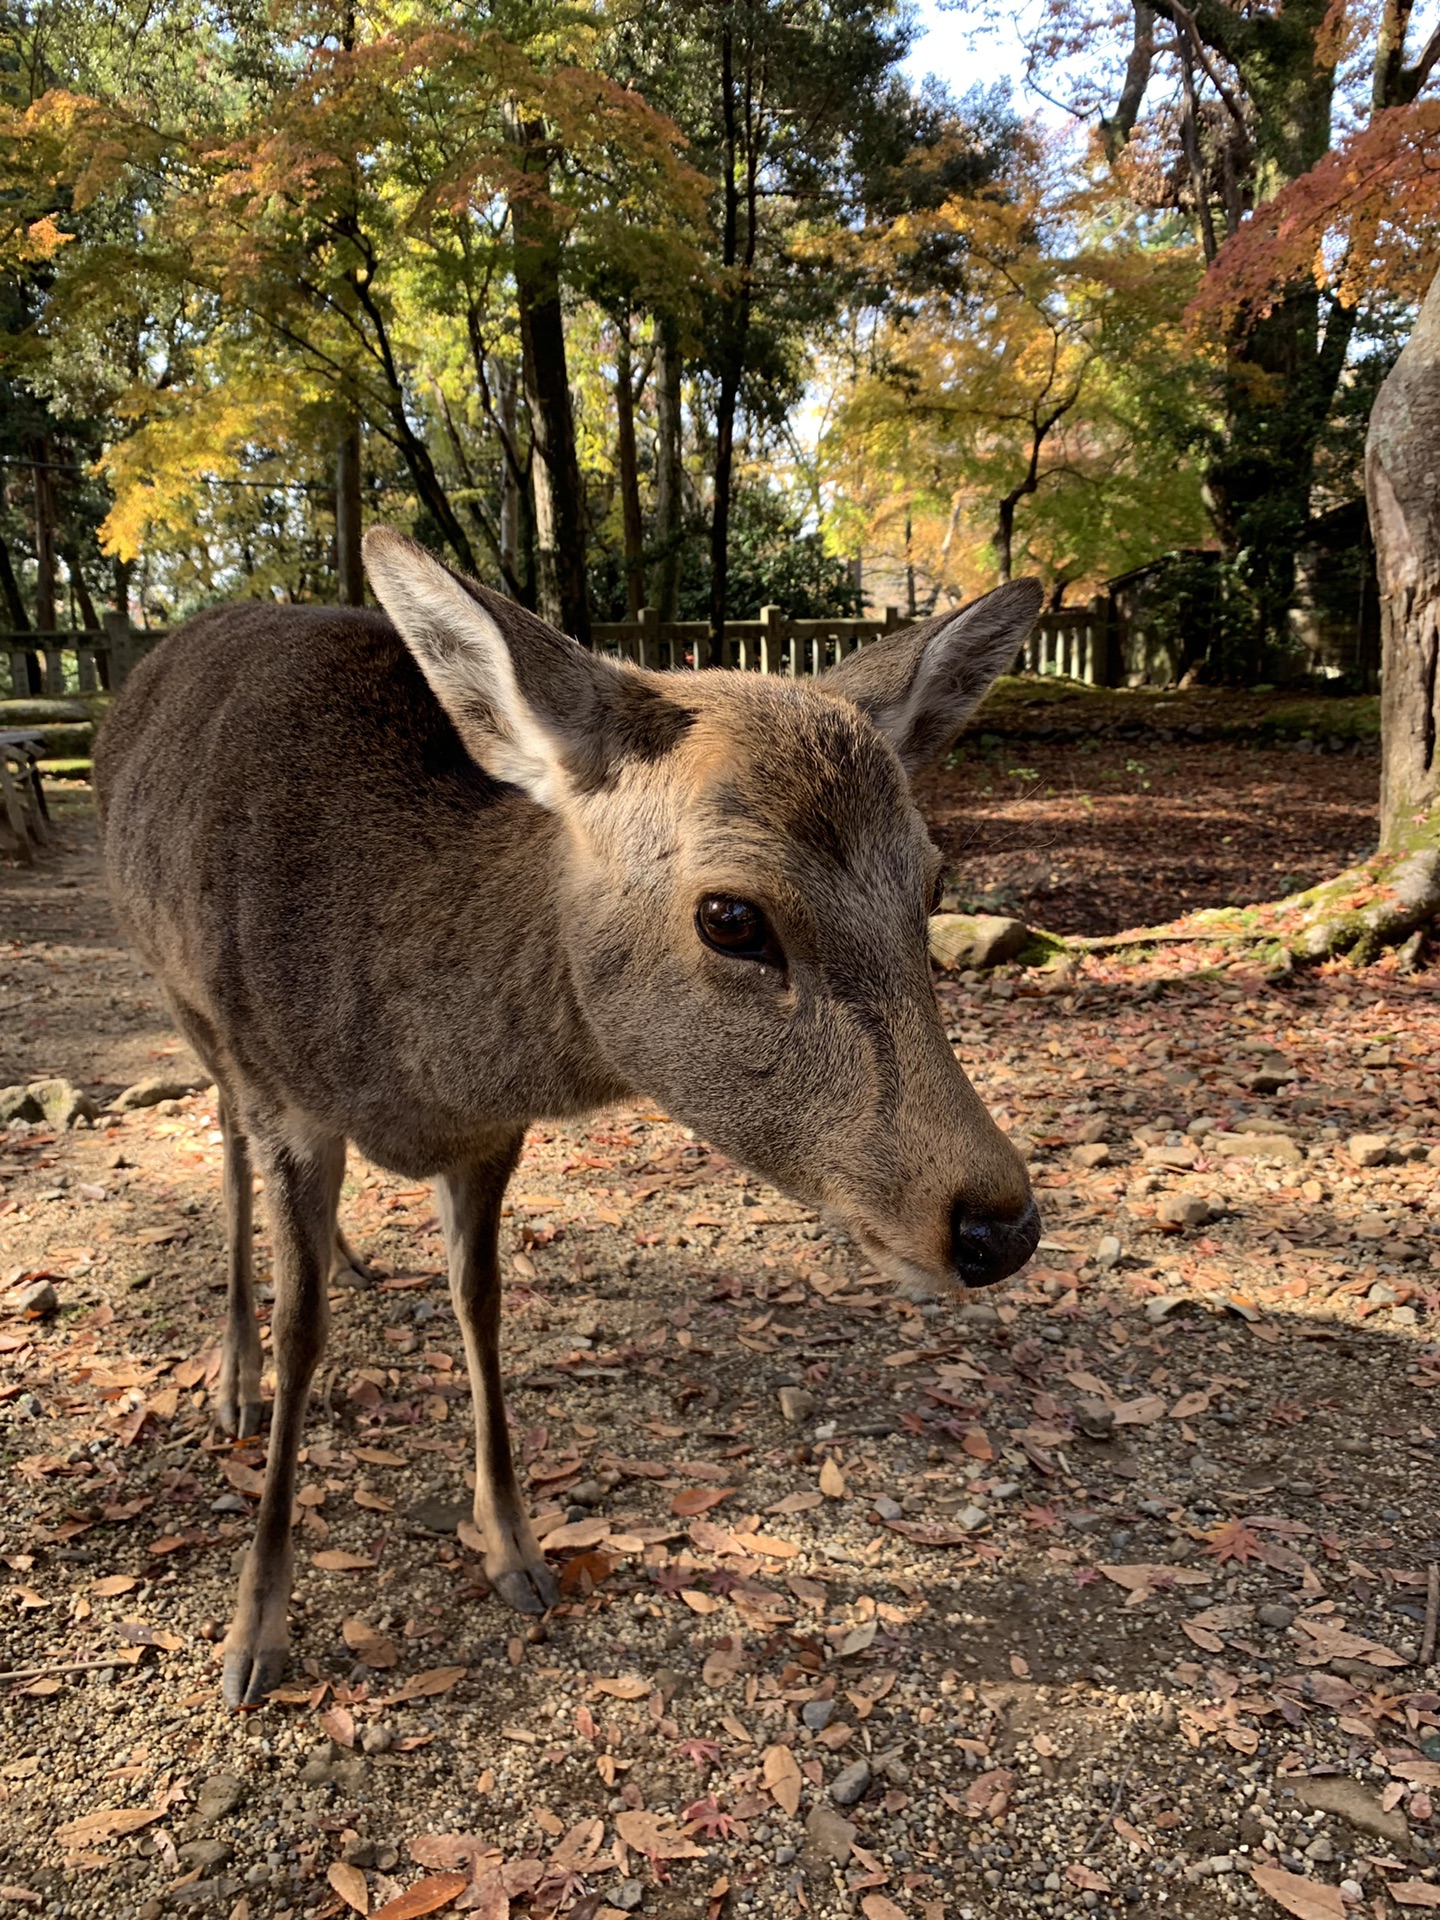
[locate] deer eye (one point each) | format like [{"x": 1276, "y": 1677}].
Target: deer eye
[{"x": 739, "y": 928}]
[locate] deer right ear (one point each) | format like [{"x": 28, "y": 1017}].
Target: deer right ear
[
  {"x": 532, "y": 707},
  {"x": 921, "y": 687}
]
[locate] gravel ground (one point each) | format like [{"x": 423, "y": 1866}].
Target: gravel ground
[{"x": 1106, "y": 1592}]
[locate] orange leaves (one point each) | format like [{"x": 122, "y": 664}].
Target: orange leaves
[
  {"x": 426, "y": 1896},
  {"x": 1233, "y": 1541},
  {"x": 695, "y": 1500}
]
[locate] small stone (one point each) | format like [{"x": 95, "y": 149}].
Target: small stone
[
  {"x": 1093, "y": 1131},
  {"x": 852, "y": 1784},
  {"x": 977, "y": 1313},
  {"x": 376, "y": 1740},
  {"x": 969, "y": 1519},
  {"x": 1093, "y": 1154},
  {"x": 149, "y": 1093},
  {"x": 886, "y": 1508},
  {"x": 350, "y": 1774},
  {"x": 1096, "y": 1420},
  {"x": 1321, "y": 1850},
  {"x": 205, "y": 1854},
  {"x": 1368, "y": 1149},
  {"x": 1106, "y": 1253},
  {"x": 1007, "y": 1490},
  {"x": 588, "y": 1493},
  {"x": 1382, "y": 1296},
  {"x": 784, "y": 1855},
  {"x": 1178, "y": 1159},
  {"x": 817, "y": 1714},
  {"x": 317, "y": 1773},
  {"x": 62, "y": 1104},
  {"x": 220, "y": 1794},
  {"x": 1276, "y": 1147},
  {"x": 39, "y": 1300},
  {"x": 358, "y": 1853},
  {"x": 1179, "y": 1211},
  {"x": 796, "y": 1405},
  {"x": 627, "y": 1896},
  {"x": 1274, "y": 1615}
]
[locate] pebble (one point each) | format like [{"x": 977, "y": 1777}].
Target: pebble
[
  {"x": 978, "y": 1314},
  {"x": 1106, "y": 1253},
  {"x": 796, "y": 1404},
  {"x": 627, "y": 1896},
  {"x": 205, "y": 1854},
  {"x": 1093, "y": 1154},
  {"x": 817, "y": 1714},
  {"x": 1181, "y": 1210},
  {"x": 969, "y": 1518},
  {"x": 1321, "y": 1850},
  {"x": 220, "y": 1794},
  {"x": 1096, "y": 1420},
  {"x": 1274, "y": 1615},
  {"x": 39, "y": 1300},
  {"x": 1368, "y": 1149},
  {"x": 377, "y": 1740},
  {"x": 852, "y": 1784}
]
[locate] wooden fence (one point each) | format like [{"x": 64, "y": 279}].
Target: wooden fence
[{"x": 1079, "y": 644}]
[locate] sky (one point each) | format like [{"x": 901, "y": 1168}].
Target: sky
[{"x": 957, "y": 52}]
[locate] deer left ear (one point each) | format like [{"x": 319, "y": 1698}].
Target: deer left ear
[{"x": 920, "y": 687}]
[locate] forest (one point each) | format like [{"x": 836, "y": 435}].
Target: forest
[{"x": 703, "y": 308}]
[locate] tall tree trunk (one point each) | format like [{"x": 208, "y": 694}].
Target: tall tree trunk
[
  {"x": 349, "y": 569},
  {"x": 732, "y": 351},
  {"x": 668, "y": 477},
  {"x": 631, "y": 521},
  {"x": 122, "y": 587},
  {"x": 1404, "y": 503},
  {"x": 511, "y": 498},
  {"x": 10, "y": 589},
  {"x": 1005, "y": 537},
  {"x": 555, "y": 467},
  {"x": 44, "y": 539},
  {"x": 89, "y": 619}
]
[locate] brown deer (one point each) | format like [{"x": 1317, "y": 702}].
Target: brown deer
[{"x": 415, "y": 885}]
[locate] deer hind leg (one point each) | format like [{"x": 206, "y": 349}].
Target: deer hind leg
[
  {"x": 346, "y": 1266},
  {"x": 469, "y": 1207},
  {"x": 302, "y": 1186},
  {"x": 237, "y": 1391}
]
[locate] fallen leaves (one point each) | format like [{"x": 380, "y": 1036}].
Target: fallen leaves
[
  {"x": 426, "y": 1896},
  {"x": 350, "y": 1883},
  {"x": 106, "y": 1823},
  {"x": 1306, "y": 1899},
  {"x": 647, "y": 1833},
  {"x": 376, "y": 1649},
  {"x": 781, "y": 1774}
]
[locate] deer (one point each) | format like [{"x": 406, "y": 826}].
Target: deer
[{"x": 415, "y": 879}]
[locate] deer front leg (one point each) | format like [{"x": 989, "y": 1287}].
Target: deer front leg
[
  {"x": 237, "y": 1391},
  {"x": 469, "y": 1207},
  {"x": 302, "y": 1188}
]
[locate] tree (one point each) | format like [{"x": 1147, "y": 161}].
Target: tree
[
  {"x": 1242, "y": 103},
  {"x": 1010, "y": 414}
]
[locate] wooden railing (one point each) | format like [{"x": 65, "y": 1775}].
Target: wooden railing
[
  {"x": 1078, "y": 643},
  {"x": 772, "y": 644},
  {"x": 97, "y": 660}
]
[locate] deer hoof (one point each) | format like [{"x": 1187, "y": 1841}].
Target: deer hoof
[
  {"x": 527, "y": 1589},
  {"x": 249, "y": 1677},
  {"x": 239, "y": 1418}
]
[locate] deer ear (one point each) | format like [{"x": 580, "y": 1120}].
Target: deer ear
[
  {"x": 532, "y": 707},
  {"x": 921, "y": 686}
]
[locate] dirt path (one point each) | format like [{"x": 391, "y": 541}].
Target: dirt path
[{"x": 1106, "y": 1593}]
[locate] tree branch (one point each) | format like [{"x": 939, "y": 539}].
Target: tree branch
[{"x": 1116, "y": 130}]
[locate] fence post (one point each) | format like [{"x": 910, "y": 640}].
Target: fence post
[
  {"x": 892, "y": 619},
  {"x": 647, "y": 642},
  {"x": 19, "y": 674},
  {"x": 54, "y": 670},
  {"x": 117, "y": 632},
  {"x": 772, "y": 638}
]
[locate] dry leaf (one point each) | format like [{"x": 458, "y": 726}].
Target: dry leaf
[
  {"x": 426, "y": 1685},
  {"x": 337, "y": 1560},
  {"x": 644, "y": 1833},
  {"x": 692, "y": 1500},
  {"x": 783, "y": 1778},
  {"x": 1143, "y": 1412},
  {"x": 112, "y": 1584},
  {"x": 1414, "y": 1893},
  {"x": 247, "y": 1480},
  {"x": 699, "y": 1602},
  {"x": 832, "y": 1480},
  {"x": 628, "y": 1687},
  {"x": 349, "y": 1882},
  {"x": 1086, "y": 1878},
  {"x": 1306, "y": 1899},
  {"x": 339, "y": 1723},
  {"x": 426, "y": 1896},
  {"x": 373, "y": 1647},
  {"x": 875, "y": 1906},
  {"x": 106, "y": 1823}
]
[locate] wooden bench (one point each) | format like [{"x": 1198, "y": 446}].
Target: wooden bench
[{"x": 22, "y": 795}]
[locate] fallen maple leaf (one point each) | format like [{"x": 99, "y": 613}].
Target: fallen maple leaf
[
  {"x": 1233, "y": 1541},
  {"x": 707, "y": 1814}
]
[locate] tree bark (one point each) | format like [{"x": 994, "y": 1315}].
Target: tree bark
[
  {"x": 631, "y": 520},
  {"x": 89, "y": 619},
  {"x": 1404, "y": 501},
  {"x": 668, "y": 477},
  {"x": 44, "y": 540},
  {"x": 555, "y": 466},
  {"x": 10, "y": 590},
  {"x": 349, "y": 569}
]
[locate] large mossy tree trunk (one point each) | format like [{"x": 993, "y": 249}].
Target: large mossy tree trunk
[{"x": 1402, "y": 487}]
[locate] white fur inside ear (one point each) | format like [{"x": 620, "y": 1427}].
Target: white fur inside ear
[{"x": 465, "y": 657}]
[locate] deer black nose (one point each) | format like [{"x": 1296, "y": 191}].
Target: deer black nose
[{"x": 984, "y": 1249}]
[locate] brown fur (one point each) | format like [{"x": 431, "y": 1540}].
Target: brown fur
[{"x": 367, "y": 937}]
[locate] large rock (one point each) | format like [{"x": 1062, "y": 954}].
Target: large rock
[
  {"x": 149, "y": 1093},
  {"x": 62, "y": 1104},
  {"x": 829, "y": 1835},
  {"x": 19, "y": 1103},
  {"x": 976, "y": 939}
]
